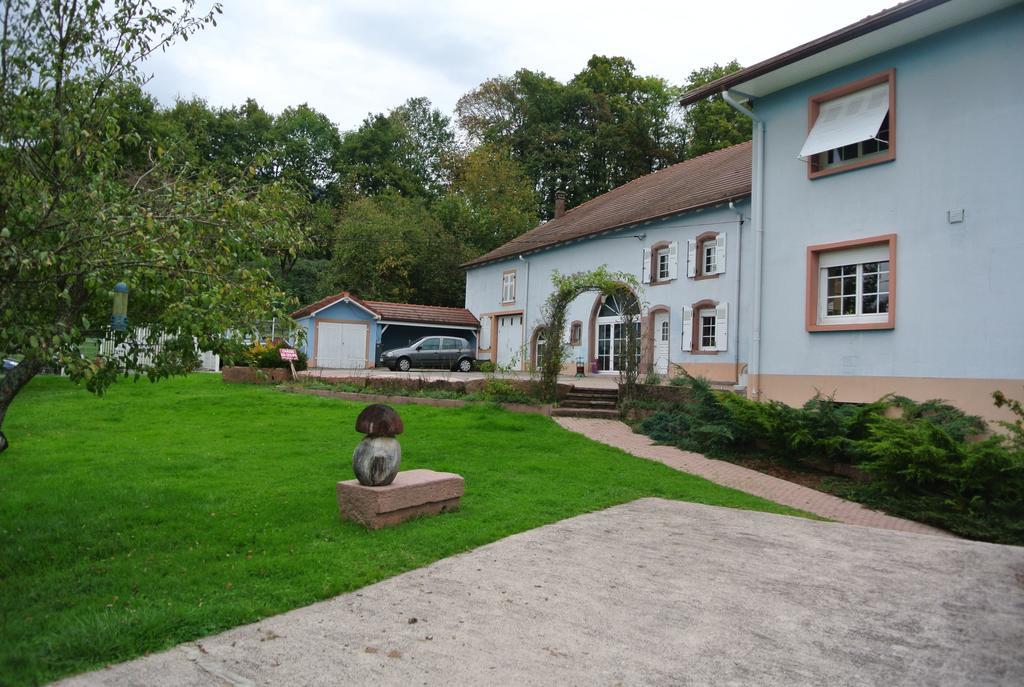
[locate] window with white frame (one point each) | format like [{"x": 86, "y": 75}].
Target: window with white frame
[
  {"x": 857, "y": 290},
  {"x": 851, "y": 284},
  {"x": 508, "y": 287},
  {"x": 660, "y": 263},
  {"x": 705, "y": 256},
  {"x": 706, "y": 322},
  {"x": 661, "y": 259},
  {"x": 708, "y": 264},
  {"x": 706, "y": 327}
]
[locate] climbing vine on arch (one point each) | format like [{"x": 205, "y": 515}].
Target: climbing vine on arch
[{"x": 569, "y": 287}]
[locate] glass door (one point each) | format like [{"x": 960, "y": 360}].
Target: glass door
[
  {"x": 611, "y": 345},
  {"x": 604, "y": 347}
]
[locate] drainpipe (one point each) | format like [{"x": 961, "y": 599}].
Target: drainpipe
[
  {"x": 739, "y": 289},
  {"x": 526, "y": 309},
  {"x": 757, "y": 193}
]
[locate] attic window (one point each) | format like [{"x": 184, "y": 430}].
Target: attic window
[{"x": 851, "y": 126}]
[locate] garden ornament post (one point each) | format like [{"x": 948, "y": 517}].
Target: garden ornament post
[
  {"x": 378, "y": 456},
  {"x": 119, "y": 317},
  {"x": 381, "y": 496}
]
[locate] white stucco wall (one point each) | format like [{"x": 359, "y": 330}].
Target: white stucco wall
[{"x": 622, "y": 252}]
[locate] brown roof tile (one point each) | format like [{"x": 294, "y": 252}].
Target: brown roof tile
[
  {"x": 710, "y": 179},
  {"x": 398, "y": 312},
  {"x": 427, "y": 314},
  {"x": 324, "y": 302}
]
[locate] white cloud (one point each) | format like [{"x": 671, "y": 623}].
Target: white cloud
[{"x": 348, "y": 59}]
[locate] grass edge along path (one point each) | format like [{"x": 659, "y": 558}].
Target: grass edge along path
[{"x": 162, "y": 513}]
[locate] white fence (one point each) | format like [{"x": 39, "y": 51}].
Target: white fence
[{"x": 146, "y": 351}]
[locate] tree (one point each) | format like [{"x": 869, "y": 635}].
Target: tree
[
  {"x": 305, "y": 149},
  {"x": 606, "y": 126},
  {"x": 629, "y": 125},
  {"x": 431, "y": 150},
  {"x": 491, "y": 200},
  {"x": 711, "y": 123},
  {"x": 535, "y": 117},
  {"x": 86, "y": 202},
  {"x": 409, "y": 150},
  {"x": 292, "y": 155},
  {"x": 390, "y": 247}
]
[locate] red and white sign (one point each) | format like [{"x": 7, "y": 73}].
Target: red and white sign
[{"x": 288, "y": 354}]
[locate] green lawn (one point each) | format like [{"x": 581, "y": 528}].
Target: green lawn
[{"x": 165, "y": 512}]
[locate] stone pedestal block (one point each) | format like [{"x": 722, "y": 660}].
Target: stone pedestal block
[{"x": 414, "y": 492}]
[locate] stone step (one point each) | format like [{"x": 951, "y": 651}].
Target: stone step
[
  {"x": 593, "y": 397},
  {"x": 587, "y": 402},
  {"x": 594, "y": 413},
  {"x": 595, "y": 392}
]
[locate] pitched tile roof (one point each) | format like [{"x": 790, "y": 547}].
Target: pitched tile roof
[
  {"x": 398, "y": 312},
  {"x": 710, "y": 179},
  {"x": 324, "y": 302},
  {"x": 426, "y": 314}
]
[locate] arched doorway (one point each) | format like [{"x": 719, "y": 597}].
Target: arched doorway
[
  {"x": 610, "y": 330},
  {"x": 537, "y": 348}
]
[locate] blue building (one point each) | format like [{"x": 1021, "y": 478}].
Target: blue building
[
  {"x": 342, "y": 331},
  {"x": 873, "y": 247}
]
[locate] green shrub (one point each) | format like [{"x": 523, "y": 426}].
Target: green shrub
[
  {"x": 920, "y": 470},
  {"x": 1016, "y": 427},
  {"x": 702, "y": 424},
  {"x": 954, "y": 421},
  {"x": 267, "y": 354},
  {"x": 921, "y": 464},
  {"x": 504, "y": 391},
  {"x": 652, "y": 379}
]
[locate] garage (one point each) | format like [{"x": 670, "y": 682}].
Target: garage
[
  {"x": 342, "y": 344},
  {"x": 346, "y": 332}
]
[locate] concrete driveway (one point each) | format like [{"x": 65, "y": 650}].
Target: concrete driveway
[{"x": 653, "y": 592}]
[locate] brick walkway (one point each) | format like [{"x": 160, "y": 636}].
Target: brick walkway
[{"x": 619, "y": 435}]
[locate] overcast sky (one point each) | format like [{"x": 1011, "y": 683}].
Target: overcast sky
[{"x": 348, "y": 59}]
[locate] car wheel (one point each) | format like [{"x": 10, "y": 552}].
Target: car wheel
[
  {"x": 465, "y": 365},
  {"x": 404, "y": 364}
]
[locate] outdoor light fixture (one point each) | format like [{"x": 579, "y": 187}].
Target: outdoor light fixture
[{"x": 119, "y": 318}]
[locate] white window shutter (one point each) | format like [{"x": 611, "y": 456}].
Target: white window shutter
[
  {"x": 722, "y": 327},
  {"x": 687, "y": 340},
  {"x": 647, "y": 266},
  {"x": 691, "y": 258},
  {"x": 485, "y": 333},
  {"x": 720, "y": 254},
  {"x": 673, "y": 260}
]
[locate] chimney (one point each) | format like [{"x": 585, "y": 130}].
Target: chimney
[{"x": 559, "y": 204}]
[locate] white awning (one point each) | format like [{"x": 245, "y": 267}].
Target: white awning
[{"x": 849, "y": 119}]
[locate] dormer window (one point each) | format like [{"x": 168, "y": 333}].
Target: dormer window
[{"x": 851, "y": 126}]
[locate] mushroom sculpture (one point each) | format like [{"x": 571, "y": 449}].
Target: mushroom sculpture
[{"x": 378, "y": 456}]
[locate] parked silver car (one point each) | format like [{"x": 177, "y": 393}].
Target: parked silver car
[{"x": 446, "y": 352}]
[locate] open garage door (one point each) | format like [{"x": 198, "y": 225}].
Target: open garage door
[{"x": 341, "y": 345}]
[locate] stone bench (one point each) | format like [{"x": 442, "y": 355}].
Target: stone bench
[{"x": 413, "y": 493}]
